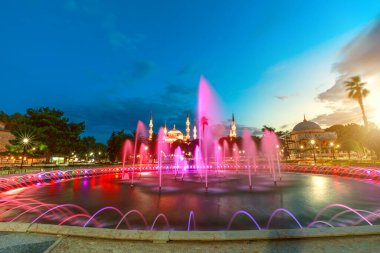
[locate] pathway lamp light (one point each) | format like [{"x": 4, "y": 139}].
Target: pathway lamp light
[{"x": 312, "y": 142}]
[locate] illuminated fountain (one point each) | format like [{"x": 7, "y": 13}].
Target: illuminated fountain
[{"x": 224, "y": 186}]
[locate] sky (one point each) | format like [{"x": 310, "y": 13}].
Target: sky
[{"x": 112, "y": 63}]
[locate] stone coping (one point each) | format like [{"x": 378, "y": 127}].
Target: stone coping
[{"x": 165, "y": 236}]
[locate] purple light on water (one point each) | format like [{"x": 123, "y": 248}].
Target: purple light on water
[
  {"x": 319, "y": 222},
  {"x": 245, "y": 213},
  {"x": 284, "y": 211},
  {"x": 101, "y": 210},
  {"x": 131, "y": 212},
  {"x": 59, "y": 206},
  {"x": 157, "y": 217},
  {"x": 191, "y": 218},
  {"x": 342, "y": 206}
]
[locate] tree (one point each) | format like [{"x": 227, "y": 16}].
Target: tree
[
  {"x": 373, "y": 141},
  {"x": 268, "y": 128},
  {"x": 115, "y": 143},
  {"x": 49, "y": 128},
  {"x": 356, "y": 91},
  {"x": 350, "y": 145}
]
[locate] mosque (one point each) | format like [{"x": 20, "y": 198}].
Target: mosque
[
  {"x": 174, "y": 134},
  {"x": 308, "y": 137}
]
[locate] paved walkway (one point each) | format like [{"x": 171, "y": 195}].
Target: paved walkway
[
  {"x": 365, "y": 244},
  {"x": 24, "y": 242},
  {"x": 25, "y": 237}
]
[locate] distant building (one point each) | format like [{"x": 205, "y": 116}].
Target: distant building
[
  {"x": 5, "y": 137},
  {"x": 308, "y": 137},
  {"x": 233, "y": 128},
  {"x": 174, "y": 134}
]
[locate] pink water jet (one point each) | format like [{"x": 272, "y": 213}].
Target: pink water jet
[
  {"x": 127, "y": 150},
  {"x": 270, "y": 149},
  {"x": 162, "y": 149},
  {"x": 209, "y": 126},
  {"x": 140, "y": 133},
  {"x": 250, "y": 153}
]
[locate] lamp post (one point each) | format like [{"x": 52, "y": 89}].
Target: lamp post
[
  {"x": 312, "y": 141},
  {"x": 24, "y": 142},
  {"x": 332, "y": 149},
  {"x": 337, "y": 147},
  {"x": 301, "y": 147}
]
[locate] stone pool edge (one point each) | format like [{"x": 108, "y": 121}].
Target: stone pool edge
[{"x": 204, "y": 236}]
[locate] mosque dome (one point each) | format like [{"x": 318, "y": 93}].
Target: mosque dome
[
  {"x": 175, "y": 134},
  {"x": 306, "y": 126}
]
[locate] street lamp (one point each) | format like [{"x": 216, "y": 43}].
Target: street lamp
[
  {"x": 301, "y": 155},
  {"x": 332, "y": 149},
  {"x": 337, "y": 147},
  {"x": 312, "y": 141},
  {"x": 24, "y": 143}
]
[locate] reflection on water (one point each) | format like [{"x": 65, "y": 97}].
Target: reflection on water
[{"x": 303, "y": 195}]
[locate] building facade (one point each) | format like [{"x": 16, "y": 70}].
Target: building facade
[
  {"x": 174, "y": 134},
  {"x": 5, "y": 137},
  {"x": 308, "y": 138}
]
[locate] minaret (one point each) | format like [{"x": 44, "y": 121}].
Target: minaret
[
  {"x": 187, "y": 128},
  {"x": 233, "y": 128},
  {"x": 151, "y": 127},
  {"x": 195, "y": 132}
]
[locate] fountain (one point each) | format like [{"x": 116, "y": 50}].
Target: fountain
[{"x": 225, "y": 184}]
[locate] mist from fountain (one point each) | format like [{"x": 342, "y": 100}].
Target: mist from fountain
[
  {"x": 127, "y": 150},
  {"x": 269, "y": 148},
  {"x": 140, "y": 132},
  {"x": 250, "y": 153},
  {"x": 161, "y": 149}
]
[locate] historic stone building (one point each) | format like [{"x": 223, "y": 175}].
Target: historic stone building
[
  {"x": 5, "y": 137},
  {"x": 308, "y": 138},
  {"x": 174, "y": 134}
]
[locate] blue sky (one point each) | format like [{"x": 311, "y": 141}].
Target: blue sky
[{"x": 110, "y": 63}]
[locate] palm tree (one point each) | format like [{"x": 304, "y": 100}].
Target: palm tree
[{"x": 356, "y": 91}]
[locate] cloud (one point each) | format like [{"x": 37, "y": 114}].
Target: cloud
[
  {"x": 341, "y": 116},
  {"x": 360, "y": 57},
  {"x": 187, "y": 69},
  {"x": 335, "y": 93},
  {"x": 109, "y": 114},
  {"x": 281, "y": 97},
  {"x": 239, "y": 129},
  {"x": 107, "y": 20},
  {"x": 138, "y": 71}
]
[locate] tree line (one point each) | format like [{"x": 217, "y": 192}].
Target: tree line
[{"x": 45, "y": 132}]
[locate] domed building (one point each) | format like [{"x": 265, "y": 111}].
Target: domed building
[
  {"x": 173, "y": 135},
  {"x": 308, "y": 137}
]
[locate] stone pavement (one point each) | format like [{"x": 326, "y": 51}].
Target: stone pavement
[
  {"x": 24, "y": 242},
  {"x": 26, "y": 237},
  {"x": 365, "y": 244}
]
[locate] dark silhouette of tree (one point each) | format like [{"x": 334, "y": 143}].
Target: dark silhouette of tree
[
  {"x": 49, "y": 128},
  {"x": 115, "y": 143}
]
